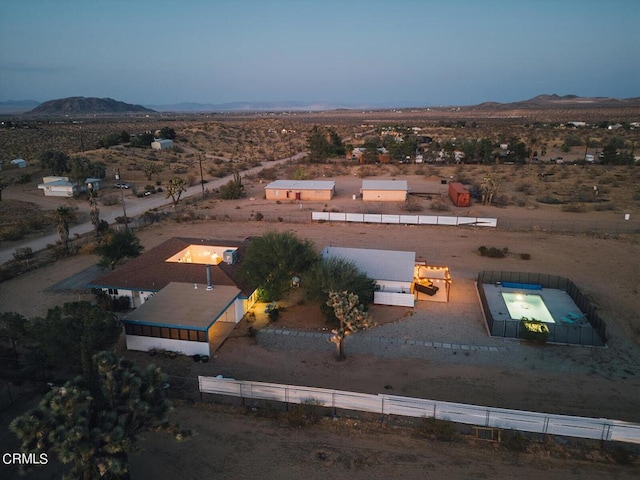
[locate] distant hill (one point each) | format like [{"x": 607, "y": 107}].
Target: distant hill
[
  {"x": 87, "y": 105},
  {"x": 565, "y": 101},
  {"x": 17, "y": 106},
  {"x": 283, "y": 106}
]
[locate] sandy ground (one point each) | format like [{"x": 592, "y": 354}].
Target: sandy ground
[{"x": 597, "y": 382}]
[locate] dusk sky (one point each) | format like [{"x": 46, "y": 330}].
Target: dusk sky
[{"x": 373, "y": 52}]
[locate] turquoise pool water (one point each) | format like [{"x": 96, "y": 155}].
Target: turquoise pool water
[{"x": 527, "y": 305}]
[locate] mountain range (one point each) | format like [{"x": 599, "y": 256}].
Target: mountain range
[{"x": 92, "y": 105}]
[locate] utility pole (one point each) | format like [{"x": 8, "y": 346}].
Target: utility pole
[{"x": 201, "y": 177}]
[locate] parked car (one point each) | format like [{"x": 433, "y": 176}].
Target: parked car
[{"x": 121, "y": 185}]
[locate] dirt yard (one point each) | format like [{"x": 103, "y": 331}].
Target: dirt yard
[{"x": 597, "y": 382}]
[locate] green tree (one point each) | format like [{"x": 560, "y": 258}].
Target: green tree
[
  {"x": 351, "y": 316},
  {"x": 54, "y": 160},
  {"x": 150, "y": 169},
  {"x": 175, "y": 188},
  {"x": 166, "y": 132},
  {"x": 13, "y": 329},
  {"x": 70, "y": 335},
  {"x": 92, "y": 427},
  {"x": 337, "y": 275},
  {"x": 273, "y": 259},
  {"x": 116, "y": 246},
  {"x": 64, "y": 216},
  {"x": 4, "y": 183}
]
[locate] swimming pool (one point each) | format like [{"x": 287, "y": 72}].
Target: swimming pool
[{"x": 527, "y": 305}]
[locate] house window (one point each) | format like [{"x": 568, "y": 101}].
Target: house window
[
  {"x": 193, "y": 335},
  {"x": 155, "y": 332},
  {"x": 184, "y": 334},
  {"x": 146, "y": 330},
  {"x": 202, "y": 337},
  {"x": 113, "y": 291},
  {"x": 174, "y": 332},
  {"x": 164, "y": 332}
]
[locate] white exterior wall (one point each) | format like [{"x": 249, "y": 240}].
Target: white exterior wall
[
  {"x": 144, "y": 344},
  {"x": 395, "y": 299},
  {"x": 394, "y": 287},
  {"x": 58, "y": 191}
]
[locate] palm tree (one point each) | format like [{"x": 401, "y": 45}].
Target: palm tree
[{"x": 64, "y": 216}]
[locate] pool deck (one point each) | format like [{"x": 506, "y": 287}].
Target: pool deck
[{"x": 558, "y": 302}]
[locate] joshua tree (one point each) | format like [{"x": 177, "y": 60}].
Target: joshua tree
[
  {"x": 92, "y": 426},
  {"x": 94, "y": 212},
  {"x": 350, "y": 314},
  {"x": 489, "y": 187},
  {"x": 64, "y": 215},
  {"x": 175, "y": 189}
]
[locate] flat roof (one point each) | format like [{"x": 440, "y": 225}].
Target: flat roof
[
  {"x": 303, "y": 184},
  {"x": 384, "y": 185},
  {"x": 393, "y": 265},
  {"x": 181, "y": 305}
]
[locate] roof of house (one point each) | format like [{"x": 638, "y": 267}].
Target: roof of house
[
  {"x": 151, "y": 272},
  {"x": 181, "y": 305},
  {"x": 396, "y": 185},
  {"x": 302, "y": 185},
  {"x": 392, "y": 265}
]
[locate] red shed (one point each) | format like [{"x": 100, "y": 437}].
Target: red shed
[{"x": 459, "y": 195}]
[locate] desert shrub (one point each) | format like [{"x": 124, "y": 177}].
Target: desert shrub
[
  {"x": 525, "y": 188},
  {"x": 493, "y": 252},
  {"x": 621, "y": 455},
  {"x": 549, "y": 200},
  {"x": 259, "y": 216},
  {"x": 442, "y": 430},
  {"x": 24, "y": 178},
  {"x": 525, "y": 256},
  {"x": 274, "y": 314},
  {"x": 440, "y": 206},
  {"x": 574, "y": 208},
  {"x": 304, "y": 414},
  {"x": 412, "y": 206},
  {"x": 109, "y": 200},
  {"x": 23, "y": 253},
  {"x": 13, "y": 232},
  {"x": 514, "y": 441},
  {"x": 605, "y": 206}
]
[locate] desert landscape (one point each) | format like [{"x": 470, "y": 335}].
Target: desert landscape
[{"x": 577, "y": 236}]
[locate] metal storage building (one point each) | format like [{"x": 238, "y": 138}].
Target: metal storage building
[{"x": 384, "y": 190}]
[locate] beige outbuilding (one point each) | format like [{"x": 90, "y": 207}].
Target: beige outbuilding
[
  {"x": 384, "y": 190},
  {"x": 303, "y": 190}
]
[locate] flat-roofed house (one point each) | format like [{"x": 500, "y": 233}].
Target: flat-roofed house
[
  {"x": 183, "y": 290},
  {"x": 384, "y": 190},
  {"x": 392, "y": 270},
  {"x": 302, "y": 190}
]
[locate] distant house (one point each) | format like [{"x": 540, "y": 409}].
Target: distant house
[
  {"x": 63, "y": 187},
  {"x": 59, "y": 187},
  {"x": 186, "y": 292},
  {"x": 357, "y": 154},
  {"x": 303, "y": 190},
  {"x": 162, "y": 144},
  {"x": 393, "y": 271},
  {"x": 19, "y": 162},
  {"x": 384, "y": 190}
]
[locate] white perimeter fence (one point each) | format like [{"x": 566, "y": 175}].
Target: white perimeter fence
[
  {"x": 403, "y": 219},
  {"x": 563, "y": 425}
]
